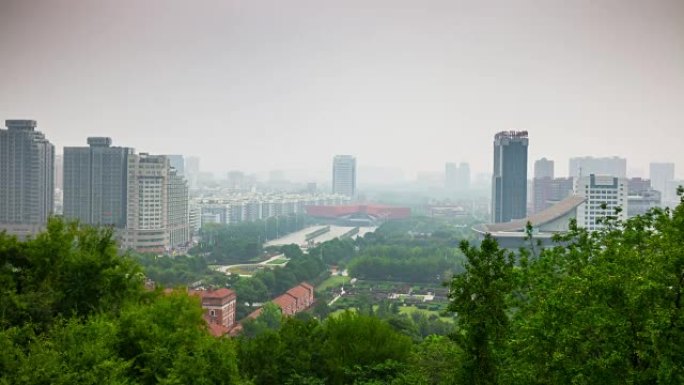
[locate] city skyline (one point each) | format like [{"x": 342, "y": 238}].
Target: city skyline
[{"x": 405, "y": 85}]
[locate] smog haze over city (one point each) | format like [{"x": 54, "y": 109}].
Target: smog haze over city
[
  {"x": 318, "y": 192},
  {"x": 410, "y": 85}
]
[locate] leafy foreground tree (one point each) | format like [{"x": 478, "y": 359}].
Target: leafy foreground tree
[
  {"x": 72, "y": 311},
  {"x": 66, "y": 271},
  {"x": 478, "y": 296},
  {"x": 347, "y": 349},
  {"x": 600, "y": 308}
]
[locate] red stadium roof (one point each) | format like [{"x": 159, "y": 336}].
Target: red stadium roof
[{"x": 380, "y": 211}]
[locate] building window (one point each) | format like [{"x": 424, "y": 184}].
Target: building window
[{"x": 212, "y": 313}]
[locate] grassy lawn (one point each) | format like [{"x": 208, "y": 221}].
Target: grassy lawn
[
  {"x": 278, "y": 261},
  {"x": 341, "y": 311},
  {"x": 412, "y": 309},
  {"x": 332, "y": 282},
  {"x": 408, "y": 310},
  {"x": 241, "y": 271}
]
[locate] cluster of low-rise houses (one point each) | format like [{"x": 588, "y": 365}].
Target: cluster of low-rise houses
[
  {"x": 220, "y": 307},
  {"x": 252, "y": 206}
]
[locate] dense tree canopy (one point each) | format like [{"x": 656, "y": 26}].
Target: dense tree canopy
[{"x": 599, "y": 308}]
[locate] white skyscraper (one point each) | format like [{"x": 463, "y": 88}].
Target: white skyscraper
[
  {"x": 344, "y": 175},
  {"x": 599, "y": 190}
]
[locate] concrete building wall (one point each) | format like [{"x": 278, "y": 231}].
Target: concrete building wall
[
  {"x": 26, "y": 177},
  {"x": 543, "y": 168},
  {"x": 661, "y": 175},
  {"x": 585, "y": 166},
  {"x": 549, "y": 191},
  {"x": 599, "y": 190},
  {"x": 95, "y": 183}
]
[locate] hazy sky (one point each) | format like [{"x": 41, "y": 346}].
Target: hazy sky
[{"x": 259, "y": 85}]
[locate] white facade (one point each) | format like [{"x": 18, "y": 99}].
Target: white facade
[
  {"x": 157, "y": 217},
  {"x": 599, "y": 190},
  {"x": 249, "y": 207},
  {"x": 344, "y": 175}
]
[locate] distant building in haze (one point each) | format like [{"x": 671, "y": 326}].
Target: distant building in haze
[
  {"x": 509, "y": 180},
  {"x": 670, "y": 197},
  {"x": 638, "y": 185},
  {"x": 59, "y": 172},
  {"x": 236, "y": 180},
  {"x": 95, "y": 183},
  {"x": 26, "y": 178},
  {"x": 344, "y": 175},
  {"x": 457, "y": 177},
  {"x": 177, "y": 162},
  {"x": 599, "y": 190},
  {"x": 549, "y": 191},
  {"x": 584, "y": 166},
  {"x": 661, "y": 175},
  {"x": 543, "y": 168},
  {"x": 192, "y": 171},
  {"x": 640, "y": 203}
]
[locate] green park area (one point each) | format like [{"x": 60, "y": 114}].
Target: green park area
[
  {"x": 279, "y": 261},
  {"x": 332, "y": 282}
]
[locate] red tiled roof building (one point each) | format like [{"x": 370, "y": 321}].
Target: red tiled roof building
[
  {"x": 219, "y": 309},
  {"x": 293, "y": 301}
]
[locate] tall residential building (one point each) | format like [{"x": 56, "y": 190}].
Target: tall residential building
[
  {"x": 344, "y": 175},
  {"x": 584, "y": 166},
  {"x": 95, "y": 183},
  {"x": 26, "y": 178},
  {"x": 192, "y": 171},
  {"x": 661, "y": 175},
  {"x": 549, "y": 191},
  {"x": 457, "y": 177},
  {"x": 509, "y": 181},
  {"x": 59, "y": 172},
  {"x": 599, "y": 190},
  {"x": 178, "y": 210},
  {"x": 177, "y": 162},
  {"x": 543, "y": 168},
  {"x": 157, "y": 211},
  {"x": 58, "y": 205}
]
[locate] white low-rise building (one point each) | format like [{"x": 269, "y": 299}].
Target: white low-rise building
[{"x": 603, "y": 194}]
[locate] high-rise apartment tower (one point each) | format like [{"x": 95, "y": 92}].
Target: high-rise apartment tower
[
  {"x": 344, "y": 175},
  {"x": 157, "y": 211},
  {"x": 509, "y": 181},
  {"x": 95, "y": 183},
  {"x": 26, "y": 178}
]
